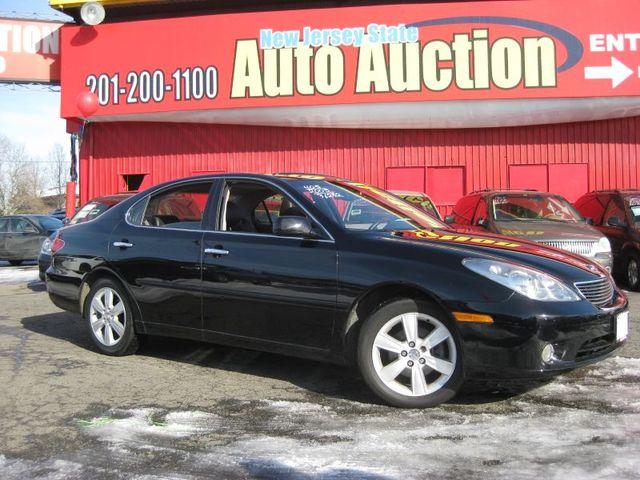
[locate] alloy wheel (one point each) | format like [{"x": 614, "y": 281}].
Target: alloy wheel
[
  {"x": 108, "y": 316},
  {"x": 414, "y": 354}
]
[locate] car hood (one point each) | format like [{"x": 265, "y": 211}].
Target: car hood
[
  {"x": 489, "y": 243},
  {"x": 540, "y": 231}
]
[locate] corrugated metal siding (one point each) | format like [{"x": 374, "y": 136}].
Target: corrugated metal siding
[{"x": 166, "y": 151}]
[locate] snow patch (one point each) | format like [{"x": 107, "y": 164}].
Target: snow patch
[{"x": 18, "y": 275}]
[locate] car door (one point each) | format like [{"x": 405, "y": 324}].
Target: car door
[
  {"x": 157, "y": 250},
  {"x": 258, "y": 285},
  {"x": 4, "y": 233},
  {"x": 24, "y": 239}
]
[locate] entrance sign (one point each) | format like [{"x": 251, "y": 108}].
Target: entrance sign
[
  {"x": 535, "y": 49},
  {"x": 29, "y": 51}
]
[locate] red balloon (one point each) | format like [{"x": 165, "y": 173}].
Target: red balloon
[{"x": 87, "y": 103}]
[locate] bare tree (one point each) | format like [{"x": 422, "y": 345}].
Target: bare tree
[
  {"x": 5, "y": 146},
  {"x": 58, "y": 172},
  {"x": 21, "y": 180}
]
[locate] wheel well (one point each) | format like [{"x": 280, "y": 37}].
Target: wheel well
[
  {"x": 373, "y": 300},
  {"x": 98, "y": 274}
]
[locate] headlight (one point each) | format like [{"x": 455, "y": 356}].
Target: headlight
[
  {"x": 603, "y": 246},
  {"x": 46, "y": 247},
  {"x": 526, "y": 281}
]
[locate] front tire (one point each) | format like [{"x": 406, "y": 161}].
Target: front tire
[
  {"x": 109, "y": 318},
  {"x": 409, "y": 354},
  {"x": 632, "y": 272}
]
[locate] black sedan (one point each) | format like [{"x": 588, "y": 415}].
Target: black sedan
[
  {"x": 21, "y": 236},
  {"x": 276, "y": 263}
]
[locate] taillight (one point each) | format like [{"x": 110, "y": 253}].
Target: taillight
[{"x": 57, "y": 244}]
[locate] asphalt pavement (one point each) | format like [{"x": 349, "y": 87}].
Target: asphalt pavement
[{"x": 186, "y": 410}]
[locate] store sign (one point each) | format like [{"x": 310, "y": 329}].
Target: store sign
[
  {"x": 407, "y": 53},
  {"x": 29, "y": 51}
]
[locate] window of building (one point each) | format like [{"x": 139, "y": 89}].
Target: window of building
[{"x": 133, "y": 182}]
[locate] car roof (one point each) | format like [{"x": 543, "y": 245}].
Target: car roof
[
  {"x": 620, "y": 191},
  {"x": 27, "y": 215},
  {"x": 506, "y": 191},
  {"x": 115, "y": 198}
]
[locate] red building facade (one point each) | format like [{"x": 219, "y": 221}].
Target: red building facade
[{"x": 569, "y": 159}]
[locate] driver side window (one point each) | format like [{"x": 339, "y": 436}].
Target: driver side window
[
  {"x": 251, "y": 207},
  {"x": 613, "y": 210}
]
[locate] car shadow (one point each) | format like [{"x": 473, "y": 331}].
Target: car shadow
[
  {"x": 324, "y": 379},
  {"x": 37, "y": 286}
]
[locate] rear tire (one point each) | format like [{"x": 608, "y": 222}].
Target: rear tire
[
  {"x": 15, "y": 263},
  {"x": 109, "y": 318},
  {"x": 632, "y": 272},
  {"x": 410, "y": 355}
]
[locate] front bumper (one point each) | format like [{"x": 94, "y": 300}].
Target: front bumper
[{"x": 512, "y": 347}]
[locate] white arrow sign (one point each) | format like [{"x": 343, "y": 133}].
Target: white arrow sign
[{"x": 618, "y": 72}]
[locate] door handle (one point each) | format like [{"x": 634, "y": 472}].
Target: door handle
[
  {"x": 216, "y": 251},
  {"x": 122, "y": 244}
]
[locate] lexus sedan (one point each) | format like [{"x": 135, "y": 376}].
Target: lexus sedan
[{"x": 280, "y": 263}]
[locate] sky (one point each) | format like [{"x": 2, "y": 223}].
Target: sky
[{"x": 31, "y": 115}]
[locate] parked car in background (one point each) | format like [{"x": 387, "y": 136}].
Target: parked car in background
[
  {"x": 616, "y": 213},
  {"x": 334, "y": 270},
  {"x": 420, "y": 200},
  {"x": 59, "y": 213},
  {"x": 89, "y": 211},
  {"x": 21, "y": 236},
  {"x": 541, "y": 217}
]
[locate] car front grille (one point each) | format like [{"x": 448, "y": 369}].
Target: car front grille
[
  {"x": 599, "y": 292},
  {"x": 580, "y": 247}
]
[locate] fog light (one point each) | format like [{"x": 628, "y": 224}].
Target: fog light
[{"x": 547, "y": 353}]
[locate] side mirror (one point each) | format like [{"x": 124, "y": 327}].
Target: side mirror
[
  {"x": 449, "y": 219},
  {"x": 588, "y": 221},
  {"x": 293, "y": 227},
  {"x": 481, "y": 222},
  {"x": 615, "y": 222}
]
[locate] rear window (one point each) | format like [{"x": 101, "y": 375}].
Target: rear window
[
  {"x": 90, "y": 211},
  {"x": 49, "y": 223}
]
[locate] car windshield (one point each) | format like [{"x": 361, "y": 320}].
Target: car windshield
[
  {"x": 90, "y": 211},
  {"x": 359, "y": 207},
  {"x": 421, "y": 201},
  {"x": 634, "y": 207},
  {"x": 532, "y": 208}
]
